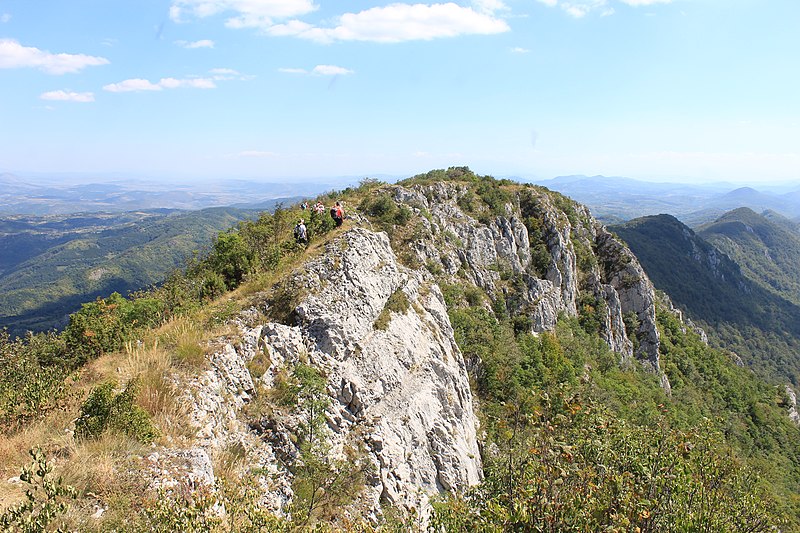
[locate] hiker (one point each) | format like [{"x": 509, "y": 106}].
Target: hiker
[
  {"x": 301, "y": 232},
  {"x": 337, "y": 214},
  {"x": 319, "y": 208},
  {"x": 304, "y": 206}
]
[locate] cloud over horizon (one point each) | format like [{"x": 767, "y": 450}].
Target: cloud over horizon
[
  {"x": 398, "y": 23},
  {"x": 15, "y": 55},
  {"x": 319, "y": 70},
  {"x": 140, "y": 85},
  {"x": 67, "y": 96}
]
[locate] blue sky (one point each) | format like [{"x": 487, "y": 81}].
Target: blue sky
[{"x": 702, "y": 90}]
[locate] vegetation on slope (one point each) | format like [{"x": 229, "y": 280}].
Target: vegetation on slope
[
  {"x": 768, "y": 251},
  {"x": 739, "y": 315},
  {"x": 573, "y": 441},
  {"x": 51, "y": 265}
]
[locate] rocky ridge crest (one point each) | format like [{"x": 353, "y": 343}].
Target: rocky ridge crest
[{"x": 400, "y": 400}]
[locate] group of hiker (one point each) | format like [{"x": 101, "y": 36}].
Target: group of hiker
[{"x": 301, "y": 231}]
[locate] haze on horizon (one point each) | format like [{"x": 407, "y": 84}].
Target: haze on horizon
[{"x": 668, "y": 90}]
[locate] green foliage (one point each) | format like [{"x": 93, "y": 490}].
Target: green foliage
[
  {"x": 396, "y": 303},
  {"x": 569, "y": 465},
  {"x": 736, "y": 312},
  {"x": 46, "y": 499},
  {"x": 591, "y": 312},
  {"x": 451, "y": 174},
  {"x": 190, "y": 511},
  {"x": 493, "y": 195},
  {"x": 94, "y": 330},
  {"x": 231, "y": 258},
  {"x": 105, "y": 410},
  {"x": 385, "y": 211},
  {"x": 28, "y": 388}
]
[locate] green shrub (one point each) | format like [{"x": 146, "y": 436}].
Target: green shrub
[
  {"x": 396, "y": 303},
  {"x": 569, "y": 465},
  {"x": 45, "y": 499},
  {"x": 213, "y": 286},
  {"x": 231, "y": 258},
  {"x": 383, "y": 210},
  {"x": 96, "y": 329},
  {"x": 28, "y": 388},
  {"x": 104, "y": 410}
]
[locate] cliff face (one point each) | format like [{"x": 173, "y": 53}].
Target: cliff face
[
  {"x": 399, "y": 405},
  {"x": 570, "y": 256},
  {"x": 399, "y": 393}
]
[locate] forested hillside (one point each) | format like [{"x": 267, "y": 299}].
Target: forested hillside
[
  {"x": 50, "y": 265},
  {"x": 734, "y": 304},
  {"x": 235, "y": 384},
  {"x": 767, "y": 249}
]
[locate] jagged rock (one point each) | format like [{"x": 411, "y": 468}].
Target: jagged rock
[
  {"x": 794, "y": 416},
  {"x": 477, "y": 250},
  {"x": 400, "y": 394},
  {"x": 190, "y": 468},
  {"x": 396, "y": 379}
]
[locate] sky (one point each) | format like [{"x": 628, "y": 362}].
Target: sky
[{"x": 277, "y": 90}]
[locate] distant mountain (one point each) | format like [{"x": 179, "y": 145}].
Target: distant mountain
[
  {"x": 612, "y": 199},
  {"x": 767, "y": 249},
  {"x": 27, "y": 197},
  {"x": 50, "y": 265},
  {"x": 738, "y": 312}
]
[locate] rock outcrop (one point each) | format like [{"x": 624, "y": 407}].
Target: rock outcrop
[
  {"x": 549, "y": 280},
  {"x": 399, "y": 391},
  {"x": 399, "y": 401}
]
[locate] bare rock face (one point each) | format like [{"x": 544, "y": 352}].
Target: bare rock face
[
  {"x": 481, "y": 251},
  {"x": 405, "y": 387},
  {"x": 794, "y": 416},
  {"x": 398, "y": 391}
]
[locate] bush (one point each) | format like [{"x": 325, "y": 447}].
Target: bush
[
  {"x": 104, "y": 410},
  {"x": 29, "y": 389},
  {"x": 94, "y": 330},
  {"x": 231, "y": 258},
  {"x": 45, "y": 499},
  {"x": 569, "y": 465},
  {"x": 384, "y": 211}
]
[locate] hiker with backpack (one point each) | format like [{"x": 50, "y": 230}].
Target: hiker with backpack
[
  {"x": 301, "y": 233},
  {"x": 337, "y": 214}
]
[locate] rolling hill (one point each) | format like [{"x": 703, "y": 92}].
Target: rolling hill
[
  {"x": 732, "y": 303},
  {"x": 51, "y": 265}
]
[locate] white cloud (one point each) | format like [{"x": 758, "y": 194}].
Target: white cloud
[
  {"x": 287, "y": 70},
  {"x": 398, "y": 22},
  {"x": 226, "y": 74},
  {"x": 5, "y": 17},
  {"x": 204, "y": 43},
  {"x": 14, "y": 55},
  {"x": 224, "y": 71},
  {"x": 519, "y": 50},
  {"x": 65, "y": 96},
  {"x": 330, "y": 70},
  {"x": 247, "y": 13},
  {"x": 549, "y": 3},
  {"x": 138, "y": 84},
  {"x": 583, "y": 8}
]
